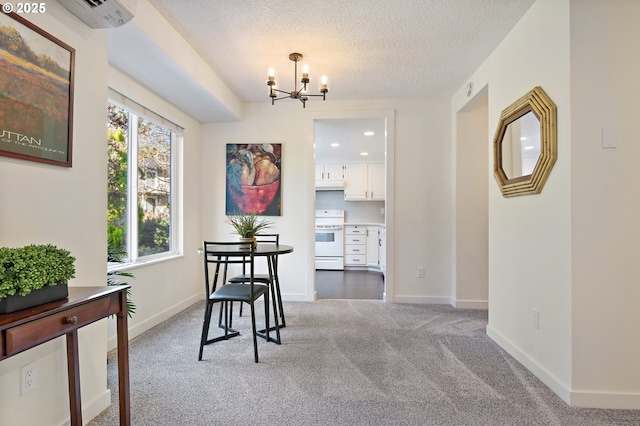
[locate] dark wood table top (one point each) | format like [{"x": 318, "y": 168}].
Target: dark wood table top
[{"x": 262, "y": 249}]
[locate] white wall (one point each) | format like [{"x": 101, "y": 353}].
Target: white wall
[
  {"x": 50, "y": 204},
  {"x": 422, "y": 223},
  {"x": 529, "y": 236},
  {"x": 570, "y": 252},
  {"x": 605, "y": 203}
]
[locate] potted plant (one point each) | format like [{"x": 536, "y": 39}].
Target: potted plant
[
  {"x": 248, "y": 225},
  {"x": 33, "y": 275},
  {"x": 114, "y": 277}
]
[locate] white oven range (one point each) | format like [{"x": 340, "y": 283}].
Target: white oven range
[{"x": 330, "y": 239}]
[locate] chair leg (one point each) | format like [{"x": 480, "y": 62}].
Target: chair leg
[
  {"x": 226, "y": 319},
  {"x": 220, "y": 317},
  {"x": 275, "y": 313},
  {"x": 255, "y": 336},
  {"x": 266, "y": 314},
  {"x": 231, "y": 314},
  {"x": 205, "y": 328}
]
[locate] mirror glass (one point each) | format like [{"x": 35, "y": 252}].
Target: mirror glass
[{"x": 521, "y": 146}]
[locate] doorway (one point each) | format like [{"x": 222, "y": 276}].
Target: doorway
[
  {"x": 471, "y": 256},
  {"x": 344, "y": 131}
]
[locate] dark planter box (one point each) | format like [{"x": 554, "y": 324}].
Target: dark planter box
[{"x": 43, "y": 295}]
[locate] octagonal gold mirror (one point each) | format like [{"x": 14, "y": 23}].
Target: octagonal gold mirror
[{"x": 525, "y": 144}]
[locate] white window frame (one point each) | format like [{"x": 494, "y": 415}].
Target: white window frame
[{"x": 175, "y": 244}]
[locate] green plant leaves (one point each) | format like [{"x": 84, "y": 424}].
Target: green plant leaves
[{"x": 28, "y": 268}]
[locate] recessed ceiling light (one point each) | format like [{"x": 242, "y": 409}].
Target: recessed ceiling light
[
  {"x": 335, "y": 144},
  {"x": 528, "y": 147},
  {"x": 524, "y": 138},
  {"x": 364, "y": 153},
  {"x": 369, "y": 133}
]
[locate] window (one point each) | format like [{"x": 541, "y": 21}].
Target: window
[{"x": 142, "y": 181}]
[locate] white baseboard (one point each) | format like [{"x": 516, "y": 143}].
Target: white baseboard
[
  {"x": 297, "y": 297},
  {"x": 92, "y": 409},
  {"x": 584, "y": 399},
  {"x": 540, "y": 372},
  {"x": 471, "y": 304},
  {"x": 424, "y": 300},
  {"x": 610, "y": 400},
  {"x": 151, "y": 322}
]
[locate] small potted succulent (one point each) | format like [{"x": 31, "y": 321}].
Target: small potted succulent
[
  {"x": 33, "y": 275},
  {"x": 247, "y": 226}
]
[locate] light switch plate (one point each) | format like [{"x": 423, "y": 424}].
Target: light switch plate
[{"x": 609, "y": 137}]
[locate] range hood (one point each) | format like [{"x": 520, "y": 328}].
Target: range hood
[{"x": 330, "y": 185}]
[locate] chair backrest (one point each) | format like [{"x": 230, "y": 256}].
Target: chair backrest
[
  {"x": 268, "y": 238},
  {"x": 219, "y": 254}
]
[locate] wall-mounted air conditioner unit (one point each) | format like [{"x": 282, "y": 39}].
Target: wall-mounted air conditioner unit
[{"x": 102, "y": 13}]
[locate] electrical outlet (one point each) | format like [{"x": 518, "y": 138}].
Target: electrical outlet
[
  {"x": 420, "y": 272},
  {"x": 29, "y": 375},
  {"x": 535, "y": 319}
]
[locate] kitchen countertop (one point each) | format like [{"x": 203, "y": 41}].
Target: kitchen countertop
[{"x": 365, "y": 224}]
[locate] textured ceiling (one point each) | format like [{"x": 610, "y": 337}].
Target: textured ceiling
[{"x": 368, "y": 48}]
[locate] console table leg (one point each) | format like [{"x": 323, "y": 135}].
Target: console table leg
[
  {"x": 73, "y": 372},
  {"x": 123, "y": 361}
]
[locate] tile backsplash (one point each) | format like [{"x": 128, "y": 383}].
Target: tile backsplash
[{"x": 354, "y": 211}]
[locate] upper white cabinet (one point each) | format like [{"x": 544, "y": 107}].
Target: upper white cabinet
[
  {"x": 329, "y": 175},
  {"x": 364, "y": 182},
  {"x": 376, "y": 181},
  {"x": 355, "y": 182}
]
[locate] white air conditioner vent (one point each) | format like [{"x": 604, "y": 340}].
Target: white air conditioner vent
[{"x": 102, "y": 13}]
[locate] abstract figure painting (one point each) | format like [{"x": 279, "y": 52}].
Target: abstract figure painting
[
  {"x": 36, "y": 93},
  {"x": 253, "y": 179}
]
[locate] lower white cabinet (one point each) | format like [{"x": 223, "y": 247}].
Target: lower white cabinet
[
  {"x": 355, "y": 245},
  {"x": 373, "y": 246},
  {"x": 362, "y": 246}
]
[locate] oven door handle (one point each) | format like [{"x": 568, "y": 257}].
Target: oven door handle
[{"x": 328, "y": 227}]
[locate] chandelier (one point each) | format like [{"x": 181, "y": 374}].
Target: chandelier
[{"x": 300, "y": 94}]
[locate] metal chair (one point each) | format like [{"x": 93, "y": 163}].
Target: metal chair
[
  {"x": 219, "y": 255},
  {"x": 264, "y": 278}
]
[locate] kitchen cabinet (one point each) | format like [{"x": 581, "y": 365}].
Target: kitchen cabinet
[
  {"x": 364, "y": 182},
  {"x": 376, "y": 182},
  {"x": 382, "y": 256},
  {"x": 362, "y": 246},
  {"x": 373, "y": 247},
  {"x": 329, "y": 173},
  {"x": 355, "y": 245}
]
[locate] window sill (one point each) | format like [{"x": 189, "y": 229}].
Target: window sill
[{"x": 142, "y": 262}]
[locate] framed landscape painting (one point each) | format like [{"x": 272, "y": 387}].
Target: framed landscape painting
[
  {"x": 36, "y": 93},
  {"x": 253, "y": 179}
]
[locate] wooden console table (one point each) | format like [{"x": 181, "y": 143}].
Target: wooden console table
[{"x": 25, "y": 329}]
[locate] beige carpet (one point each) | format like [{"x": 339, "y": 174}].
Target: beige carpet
[{"x": 342, "y": 362}]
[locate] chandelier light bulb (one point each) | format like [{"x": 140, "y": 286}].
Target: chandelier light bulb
[
  {"x": 323, "y": 86},
  {"x": 305, "y": 71}
]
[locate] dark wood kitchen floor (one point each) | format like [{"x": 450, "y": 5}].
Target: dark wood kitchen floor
[{"x": 349, "y": 285}]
